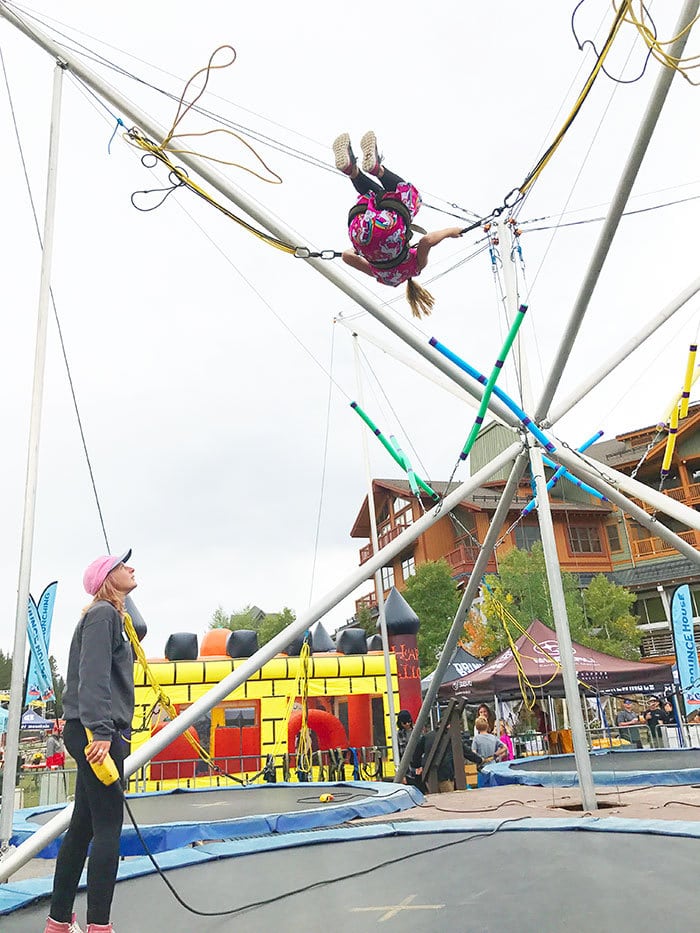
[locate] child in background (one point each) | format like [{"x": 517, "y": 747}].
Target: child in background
[
  {"x": 504, "y": 736},
  {"x": 487, "y": 745}
]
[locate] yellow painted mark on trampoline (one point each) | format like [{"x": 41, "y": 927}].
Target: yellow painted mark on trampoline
[{"x": 392, "y": 910}]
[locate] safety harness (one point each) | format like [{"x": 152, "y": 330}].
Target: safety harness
[{"x": 385, "y": 203}]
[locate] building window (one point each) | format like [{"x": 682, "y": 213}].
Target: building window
[
  {"x": 526, "y": 536},
  {"x": 403, "y": 513},
  {"x": 408, "y": 567},
  {"x": 650, "y": 610},
  {"x": 613, "y": 534},
  {"x": 387, "y": 577},
  {"x": 584, "y": 539}
]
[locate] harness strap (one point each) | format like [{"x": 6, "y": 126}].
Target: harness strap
[{"x": 384, "y": 203}]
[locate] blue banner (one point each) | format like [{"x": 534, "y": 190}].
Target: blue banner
[
  {"x": 39, "y": 679},
  {"x": 686, "y": 649}
]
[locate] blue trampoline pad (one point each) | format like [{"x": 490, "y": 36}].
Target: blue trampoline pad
[
  {"x": 529, "y": 875},
  {"x": 616, "y": 766},
  {"x": 171, "y": 819}
]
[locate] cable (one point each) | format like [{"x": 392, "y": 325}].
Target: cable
[
  {"x": 64, "y": 352},
  {"x": 313, "y": 885}
]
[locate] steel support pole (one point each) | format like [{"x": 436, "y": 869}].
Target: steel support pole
[
  {"x": 331, "y": 270},
  {"x": 378, "y": 583},
  {"x": 629, "y": 174},
  {"x": 561, "y": 625},
  {"x": 551, "y": 558},
  {"x": 28, "y": 849},
  {"x": 417, "y": 366},
  {"x": 587, "y": 468},
  {"x": 620, "y": 355},
  {"x": 25, "y": 561},
  {"x": 468, "y": 596}
]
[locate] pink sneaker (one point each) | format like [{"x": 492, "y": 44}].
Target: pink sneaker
[
  {"x": 100, "y": 928},
  {"x": 345, "y": 160},
  {"x": 371, "y": 160},
  {"x": 53, "y": 926}
]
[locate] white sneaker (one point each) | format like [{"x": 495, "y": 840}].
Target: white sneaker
[
  {"x": 345, "y": 160},
  {"x": 371, "y": 160}
]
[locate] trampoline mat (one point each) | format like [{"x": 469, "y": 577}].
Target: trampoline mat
[
  {"x": 638, "y": 760},
  {"x": 231, "y": 802},
  {"x": 178, "y": 818},
  {"x": 562, "y": 880}
]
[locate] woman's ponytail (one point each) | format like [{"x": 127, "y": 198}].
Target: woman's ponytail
[{"x": 419, "y": 298}]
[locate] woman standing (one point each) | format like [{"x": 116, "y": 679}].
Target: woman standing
[{"x": 99, "y": 700}]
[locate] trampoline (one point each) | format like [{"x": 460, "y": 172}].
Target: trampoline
[
  {"x": 169, "y": 819},
  {"x": 568, "y": 875},
  {"x": 616, "y": 766}
]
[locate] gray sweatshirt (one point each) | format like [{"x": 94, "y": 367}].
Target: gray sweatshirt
[
  {"x": 486, "y": 745},
  {"x": 100, "y": 681}
]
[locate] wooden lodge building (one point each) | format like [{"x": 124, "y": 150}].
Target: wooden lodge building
[{"x": 592, "y": 536}]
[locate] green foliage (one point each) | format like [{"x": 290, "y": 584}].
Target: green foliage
[
  {"x": 598, "y": 615},
  {"x": 273, "y": 623},
  {"x": 432, "y": 594},
  {"x": 611, "y": 627},
  {"x": 59, "y": 685},
  {"x": 365, "y": 620},
  {"x": 5, "y": 671},
  {"x": 245, "y": 618},
  {"x": 267, "y": 625}
]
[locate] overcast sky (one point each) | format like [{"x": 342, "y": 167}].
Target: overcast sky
[{"x": 202, "y": 358}]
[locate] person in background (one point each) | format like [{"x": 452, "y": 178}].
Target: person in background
[
  {"x": 99, "y": 697},
  {"x": 654, "y": 717},
  {"x": 626, "y": 721},
  {"x": 485, "y": 744},
  {"x": 485, "y": 712},
  {"x": 504, "y": 736},
  {"x": 404, "y": 729},
  {"x": 55, "y": 750}
]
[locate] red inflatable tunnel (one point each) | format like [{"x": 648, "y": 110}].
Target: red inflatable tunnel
[{"x": 328, "y": 728}]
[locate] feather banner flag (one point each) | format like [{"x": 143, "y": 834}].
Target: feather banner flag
[
  {"x": 39, "y": 679},
  {"x": 686, "y": 649}
]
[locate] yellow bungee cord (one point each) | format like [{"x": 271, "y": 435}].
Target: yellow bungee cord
[{"x": 657, "y": 47}]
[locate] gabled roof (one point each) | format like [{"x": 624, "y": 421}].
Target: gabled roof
[{"x": 622, "y": 451}]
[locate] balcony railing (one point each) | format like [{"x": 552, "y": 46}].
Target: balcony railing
[
  {"x": 383, "y": 539},
  {"x": 679, "y": 494},
  {"x": 657, "y": 547},
  {"x": 369, "y": 601},
  {"x": 660, "y": 644},
  {"x": 462, "y": 559}
]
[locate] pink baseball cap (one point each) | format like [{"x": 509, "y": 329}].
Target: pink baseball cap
[{"x": 99, "y": 569}]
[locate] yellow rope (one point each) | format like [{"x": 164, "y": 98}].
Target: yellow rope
[
  {"x": 657, "y": 47},
  {"x": 504, "y": 615},
  {"x": 136, "y": 138},
  {"x": 161, "y": 695},
  {"x": 161, "y": 151},
  {"x": 304, "y": 748},
  {"x": 538, "y": 169}
]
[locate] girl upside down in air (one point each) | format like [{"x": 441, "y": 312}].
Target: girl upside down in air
[{"x": 380, "y": 224}]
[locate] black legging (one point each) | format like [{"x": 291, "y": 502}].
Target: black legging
[
  {"x": 97, "y": 816},
  {"x": 388, "y": 182}
]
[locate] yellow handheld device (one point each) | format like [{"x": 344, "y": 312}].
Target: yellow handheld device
[{"x": 106, "y": 771}]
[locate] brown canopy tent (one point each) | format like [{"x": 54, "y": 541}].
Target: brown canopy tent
[{"x": 602, "y": 672}]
